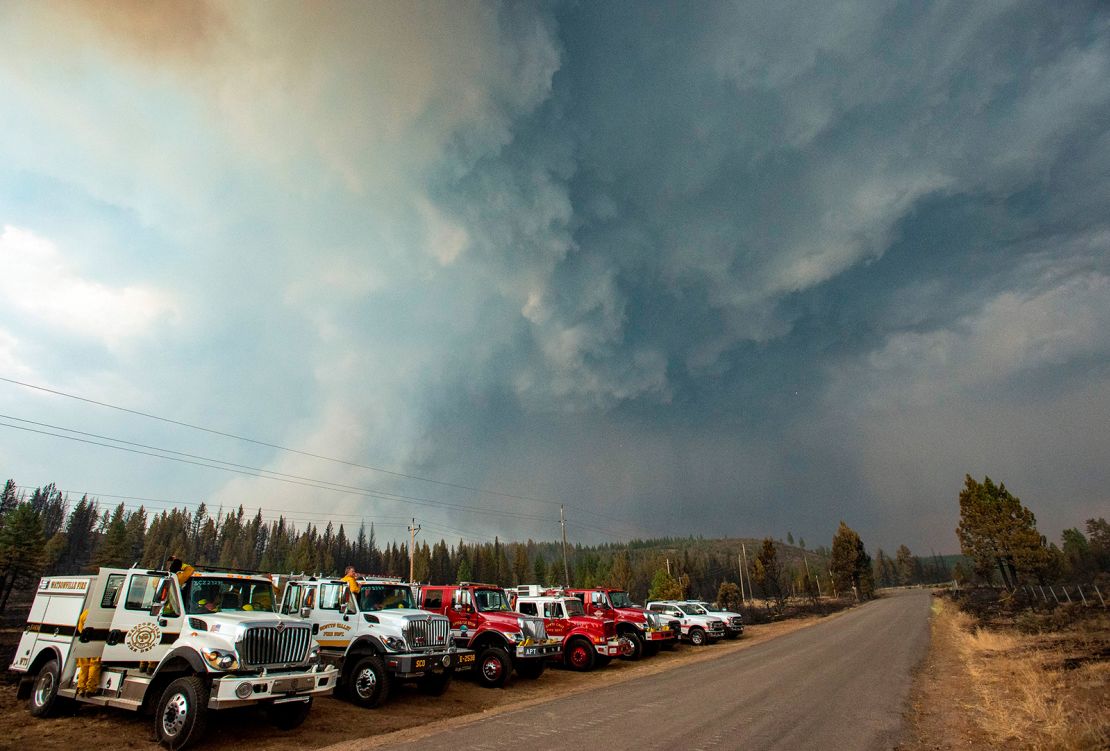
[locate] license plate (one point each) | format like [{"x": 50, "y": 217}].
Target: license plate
[
  {"x": 292, "y": 685},
  {"x": 467, "y": 659}
]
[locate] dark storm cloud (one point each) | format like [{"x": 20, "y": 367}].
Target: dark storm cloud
[{"x": 766, "y": 222}]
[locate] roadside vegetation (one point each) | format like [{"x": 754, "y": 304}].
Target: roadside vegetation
[{"x": 1023, "y": 677}]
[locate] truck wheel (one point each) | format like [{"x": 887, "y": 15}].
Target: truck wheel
[
  {"x": 44, "y": 701},
  {"x": 697, "y": 637},
  {"x": 288, "y": 715},
  {"x": 182, "y": 712},
  {"x": 494, "y": 667},
  {"x": 636, "y": 650},
  {"x": 435, "y": 684},
  {"x": 579, "y": 655},
  {"x": 531, "y": 669},
  {"x": 368, "y": 683}
]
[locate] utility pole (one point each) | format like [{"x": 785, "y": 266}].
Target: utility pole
[
  {"x": 740, "y": 566},
  {"x": 413, "y": 529},
  {"x": 668, "y": 567},
  {"x": 744, "y": 549},
  {"x": 566, "y": 568}
]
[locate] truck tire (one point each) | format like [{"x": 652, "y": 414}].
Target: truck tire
[
  {"x": 579, "y": 655},
  {"x": 182, "y": 712},
  {"x": 697, "y": 637},
  {"x": 435, "y": 684},
  {"x": 368, "y": 682},
  {"x": 288, "y": 715},
  {"x": 494, "y": 667},
  {"x": 637, "y": 641},
  {"x": 44, "y": 700},
  {"x": 531, "y": 669}
]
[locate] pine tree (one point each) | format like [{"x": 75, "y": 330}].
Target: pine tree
[
  {"x": 997, "y": 530},
  {"x": 850, "y": 564},
  {"x": 115, "y": 547},
  {"x": 21, "y": 550}
]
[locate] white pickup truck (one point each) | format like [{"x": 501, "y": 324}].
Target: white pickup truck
[
  {"x": 697, "y": 627},
  {"x": 174, "y": 649}
]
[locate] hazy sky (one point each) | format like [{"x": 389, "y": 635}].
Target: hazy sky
[{"x": 711, "y": 268}]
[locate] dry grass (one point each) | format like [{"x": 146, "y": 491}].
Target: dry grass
[{"x": 1035, "y": 691}]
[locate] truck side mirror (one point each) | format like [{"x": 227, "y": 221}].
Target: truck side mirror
[
  {"x": 349, "y": 606},
  {"x": 306, "y": 611},
  {"x": 156, "y": 609}
]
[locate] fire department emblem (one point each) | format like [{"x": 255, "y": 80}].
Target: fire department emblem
[{"x": 143, "y": 637}]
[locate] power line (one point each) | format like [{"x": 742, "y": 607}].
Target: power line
[
  {"x": 309, "y": 454},
  {"x": 211, "y": 463}
]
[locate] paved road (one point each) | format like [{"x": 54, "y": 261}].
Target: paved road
[{"x": 840, "y": 684}]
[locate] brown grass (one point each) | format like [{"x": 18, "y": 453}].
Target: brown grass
[{"x": 1035, "y": 691}]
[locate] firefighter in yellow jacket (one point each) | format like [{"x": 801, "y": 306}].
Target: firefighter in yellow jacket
[{"x": 88, "y": 668}]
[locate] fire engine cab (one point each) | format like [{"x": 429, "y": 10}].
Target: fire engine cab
[
  {"x": 376, "y": 637},
  {"x": 482, "y": 620},
  {"x": 151, "y": 643},
  {"x": 588, "y": 641}
]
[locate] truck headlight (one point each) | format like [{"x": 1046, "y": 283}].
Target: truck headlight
[
  {"x": 314, "y": 656},
  {"x": 244, "y": 690},
  {"x": 395, "y": 643},
  {"x": 511, "y": 637},
  {"x": 221, "y": 659}
]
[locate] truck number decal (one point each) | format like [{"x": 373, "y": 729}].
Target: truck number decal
[{"x": 421, "y": 663}]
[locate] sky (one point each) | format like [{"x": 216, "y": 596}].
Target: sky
[{"x": 720, "y": 269}]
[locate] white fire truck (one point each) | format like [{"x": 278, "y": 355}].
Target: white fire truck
[
  {"x": 173, "y": 649},
  {"x": 376, "y": 637}
]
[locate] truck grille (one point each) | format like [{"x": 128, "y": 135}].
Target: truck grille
[
  {"x": 263, "y": 646},
  {"x": 717, "y": 625},
  {"x": 427, "y": 633},
  {"x": 534, "y": 629},
  {"x": 736, "y": 621}
]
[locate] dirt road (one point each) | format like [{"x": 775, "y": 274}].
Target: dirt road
[{"x": 841, "y": 684}]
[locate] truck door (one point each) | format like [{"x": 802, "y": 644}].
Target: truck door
[
  {"x": 557, "y": 626},
  {"x": 137, "y": 636},
  {"x": 462, "y": 612}
]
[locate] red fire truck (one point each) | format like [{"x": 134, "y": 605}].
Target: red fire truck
[
  {"x": 647, "y": 632},
  {"x": 482, "y": 620}
]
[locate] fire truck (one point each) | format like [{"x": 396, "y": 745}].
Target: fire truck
[
  {"x": 377, "y": 637},
  {"x": 645, "y": 631},
  {"x": 483, "y": 621},
  {"x": 588, "y": 641},
  {"x": 170, "y": 648}
]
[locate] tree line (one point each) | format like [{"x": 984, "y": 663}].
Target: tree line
[{"x": 43, "y": 532}]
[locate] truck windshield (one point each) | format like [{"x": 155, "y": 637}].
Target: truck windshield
[
  {"x": 621, "y": 600},
  {"x": 695, "y": 609},
  {"x": 209, "y": 594},
  {"x": 491, "y": 600},
  {"x": 574, "y": 606},
  {"x": 384, "y": 597}
]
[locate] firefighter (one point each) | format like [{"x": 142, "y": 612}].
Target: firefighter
[
  {"x": 88, "y": 668},
  {"x": 181, "y": 570},
  {"x": 352, "y": 579}
]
